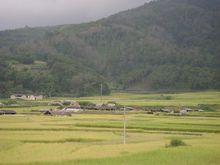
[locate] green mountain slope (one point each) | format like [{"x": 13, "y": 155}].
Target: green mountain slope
[{"x": 165, "y": 44}]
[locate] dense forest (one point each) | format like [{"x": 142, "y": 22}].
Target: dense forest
[{"x": 162, "y": 45}]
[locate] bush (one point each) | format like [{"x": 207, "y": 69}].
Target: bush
[
  {"x": 167, "y": 98},
  {"x": 176, "y": 143},
  {"x": 162, "y": 97}
]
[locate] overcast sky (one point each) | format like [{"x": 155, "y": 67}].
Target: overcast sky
[{"x": 18, "y": 13}]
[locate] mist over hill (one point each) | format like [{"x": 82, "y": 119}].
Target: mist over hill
[{"x": 164, "y": 44}]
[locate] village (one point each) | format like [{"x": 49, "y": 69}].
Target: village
[{"x": 69, "y": 107}]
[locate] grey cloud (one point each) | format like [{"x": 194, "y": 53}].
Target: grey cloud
[{"x": 18, "y": 13}]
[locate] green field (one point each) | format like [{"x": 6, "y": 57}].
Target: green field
[{"x": 86, "y": 138}]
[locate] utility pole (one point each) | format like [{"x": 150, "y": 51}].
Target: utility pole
[
  {"x": 124, "y": 130},
  {"x": 101, "y": 92}
]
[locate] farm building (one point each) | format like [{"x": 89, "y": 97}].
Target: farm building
[
  {"x": 72, "y": 109},
  {"x": 106, "y": 107},
  {"x": 67, "y": 102},
  {"x": 187, "y": 109},
  {"x": 183, "y": 111},
  {"x": 2, "y": 105},
  {"x": 18, "y": 96},
  {"x": 57, "y": 113},
  {"x": 34, "y": 97},
  {"x": 26, "y": 97},
  {"x": 56, "y": 103},
  {"x": 166, "y": 110},
  {"x": 7, "y": 112},
  {"x": 129, "y": 108},
  {"x": 75, "y": 105}
]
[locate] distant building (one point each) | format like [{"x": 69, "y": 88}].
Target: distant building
[
  {"x": 2, "y": 105},
  {"x": 183, "y": 111},
  {"x": 26, "y": 97},
  {"x": 75, "y": 107},
  {"x": 7, "y": 112},
  {"x": 57, "y": 113},
  {"x": 72, "y": 109},
  {"x": 166, "y": 110},
  {"x": 34, "y": 97},
  {"x": 106, "y": 107},
  {"x": 188, "y": 109},
  {"x": 18, "y": 96}
]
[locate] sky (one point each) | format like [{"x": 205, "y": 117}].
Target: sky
[{"x": 19, "y": 13}]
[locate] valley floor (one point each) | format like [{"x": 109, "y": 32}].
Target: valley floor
[{"x": 97, "y": 138}]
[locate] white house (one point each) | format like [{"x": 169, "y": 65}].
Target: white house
[{"x": 26, "y": 97}]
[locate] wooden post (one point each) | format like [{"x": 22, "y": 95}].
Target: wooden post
[
  {"x": 101, "y": 93},
  {"x": 124, "y": 130}
]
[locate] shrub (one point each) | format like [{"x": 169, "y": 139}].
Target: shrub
[
  {"x": 176, "y": 143},
  {"x": 167, "y": 98},
  {"x": 162, "y": 97}
]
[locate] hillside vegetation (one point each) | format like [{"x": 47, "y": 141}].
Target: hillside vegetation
[{"x": 164, "y": 44}]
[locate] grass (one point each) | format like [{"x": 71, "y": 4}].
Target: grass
[
  {"x": 179, "y": 99},
  {"x": 79, "y": 140},
  {"x": 48, "y": 140},
  {"x": 29, "y": 138},
  {"x": 182, "y": 156}
]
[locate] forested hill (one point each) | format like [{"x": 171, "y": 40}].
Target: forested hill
[{"x": 164, "y": 44}]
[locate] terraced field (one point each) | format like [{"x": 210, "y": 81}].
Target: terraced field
[{"x": 87, "y": 138}]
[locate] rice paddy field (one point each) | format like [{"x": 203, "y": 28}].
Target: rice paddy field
[{"x": 97, "y": 138}]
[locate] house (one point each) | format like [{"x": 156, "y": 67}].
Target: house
[
  {"x": 199, "y": 110},
  {"x": 18, "y": 96},
  {"x": 130, "y": 108},
  {"x": 187, "y": 109},
  {"x": 154, "y": 110},
  {"x": 183, "y": 111},
  {"x": 26, "y": 97},
  {"x": 109, "y": 106},
  {"x": 99, "y": 106},
  {"x": 67, "y": 102},
  {"x": 166, "y": 110},
  {"x": 127, "y": 108},
  {"x": 48, "y": 113},
  {"x": 71, "y": 109},
  {"x": 57, "y": 113},
  {"x": 34, "y": 97},
  {"x": 75, "y": 105},
  {"x": 2, "y": 105},
  {"x": 7, "y": 112}
]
